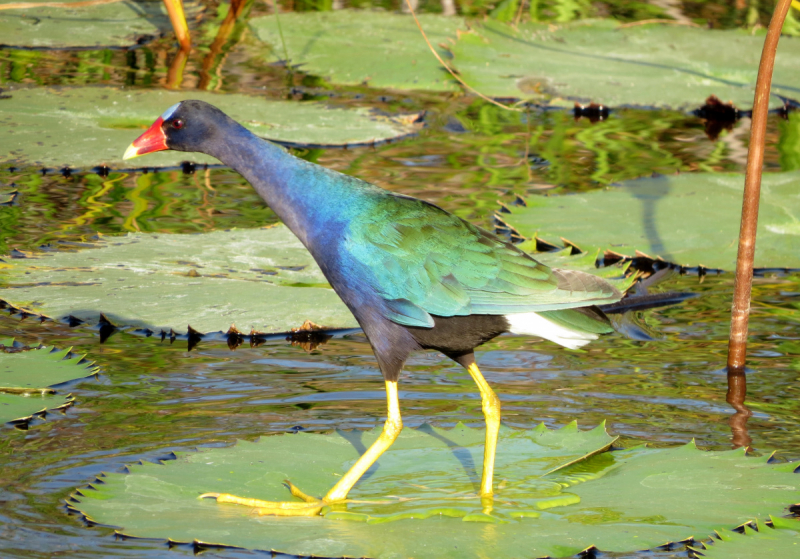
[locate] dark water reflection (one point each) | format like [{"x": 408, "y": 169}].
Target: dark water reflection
[{"x": 153, "y": 398}]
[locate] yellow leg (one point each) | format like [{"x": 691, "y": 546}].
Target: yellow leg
[
  {"x": 391, "y": 429},
  {"x": 311, "y": 506},
  {"x": 491, "y": 413}
]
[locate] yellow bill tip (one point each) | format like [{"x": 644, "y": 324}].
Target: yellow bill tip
[{"x": 131, "y": 152}]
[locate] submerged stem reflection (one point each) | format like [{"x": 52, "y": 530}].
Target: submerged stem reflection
[{"x": 737, "y": 391}]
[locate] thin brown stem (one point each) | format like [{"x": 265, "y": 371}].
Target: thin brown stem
[
  {"x": 740, "y": 311},
  {"x": 452, "y": 72}
]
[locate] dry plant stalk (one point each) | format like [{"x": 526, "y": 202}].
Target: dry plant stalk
[{"x": 740, "y": 311}]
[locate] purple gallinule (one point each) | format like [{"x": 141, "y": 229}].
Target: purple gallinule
[{"x": 414, "y": 276}]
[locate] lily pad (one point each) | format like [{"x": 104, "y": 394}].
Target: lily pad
[
  {"x": 262, "y": 279},
  {"x": 354, "y": 47},
  {"x": 117, "y": 24},
  {"x": 7, "y": 195},
  {"x": 27, "y": 378},
  {"x": 19, "y": 408},
  {"x": 649, "y": 65},
  {"x": 88, "y": 126},
  {"x": 687, "y": 219},
  {"x": 555, "y": 496},
  {"x": 780, "y": 540},
  {"x": 256, "y": 278}
]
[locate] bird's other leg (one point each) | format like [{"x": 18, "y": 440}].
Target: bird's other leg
[
  {"x": 491, "y": 413},
  {"x": 312, "y": 506}
]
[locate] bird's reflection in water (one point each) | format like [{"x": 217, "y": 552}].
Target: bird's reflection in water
[{"x": 737, "y": 391}]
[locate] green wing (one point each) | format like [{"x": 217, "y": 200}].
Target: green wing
[{"x": 424, "y": 261}]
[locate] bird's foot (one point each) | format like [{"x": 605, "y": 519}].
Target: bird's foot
[{"x": 310, "y": 506}]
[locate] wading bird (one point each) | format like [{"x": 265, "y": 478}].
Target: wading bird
[{"x": 413, "y": 275}]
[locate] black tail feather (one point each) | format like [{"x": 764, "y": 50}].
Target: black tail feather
[{"x": 648, "y": 301}]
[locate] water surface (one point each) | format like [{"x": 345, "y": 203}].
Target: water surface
[{"x": 153, "y": 397}]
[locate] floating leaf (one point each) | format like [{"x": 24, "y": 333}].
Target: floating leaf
[
  {"x": 26, "y": 378},
  {"x": 426, "y": 484},
  {"x": 117, "y": 24},
  {"x": 783, "y": 540},
  {"x": 37, "y": 369},
  {"x": 262, "y": 279},
  {"x": 651, "y": 488},
  {"x": 353, "y": 47},
  {"x": 88, "y": 126},
  {"x": 651, "y": 66},
  {"x": 687, "y": 219},
  {"x": 256, "y": 278},
  {"x": 20, "y": 408},
  {"x": 7, "y": 195}
]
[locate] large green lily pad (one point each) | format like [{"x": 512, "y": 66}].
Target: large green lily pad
[
  {"x": 688, "y": 219},
  {"x": 353, "y": 47},
  {"x": 88, "y": 126},
  {"x": 782, "y": 540},
  {"x": 651, "y": 65},
  {"x": 262, "y": 279},
  {"x": 117, "y": 24},
  {"x": 555, "y": 496},
  {"x": 26, "y": 378}
]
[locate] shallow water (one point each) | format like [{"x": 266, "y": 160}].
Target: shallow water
[{"x": 153, "y": 397}]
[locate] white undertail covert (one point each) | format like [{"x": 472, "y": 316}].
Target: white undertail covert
[{"x": 532, "y": 324}]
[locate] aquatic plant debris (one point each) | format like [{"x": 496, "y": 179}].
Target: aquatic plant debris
[
  {"x": 258, "y": 279},
  {"x": 558, "y": 493},
  {"x": 686, "y": 219},
  {"x": 27, "y": 378},
  {"x": 665, "y": 66},
  {"x": 101, "y": 122}
]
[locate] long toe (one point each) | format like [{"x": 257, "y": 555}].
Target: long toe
[{"x": 310, "y": 506}]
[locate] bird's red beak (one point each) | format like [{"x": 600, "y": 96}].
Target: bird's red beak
[{"x": 152, "y": 140}]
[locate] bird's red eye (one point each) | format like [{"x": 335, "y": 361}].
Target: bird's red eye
[{"x": 177, "y": 124}]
